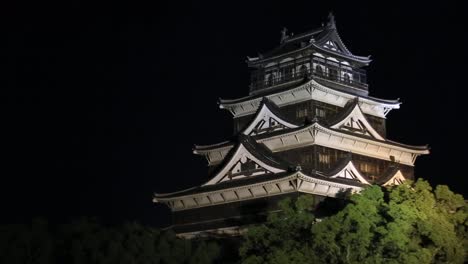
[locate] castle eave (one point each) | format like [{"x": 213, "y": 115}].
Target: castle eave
[
  {"x": 317, "y": 134},
  {"x": 257, "y": 187},
  {"x": 312, "y": 90}
]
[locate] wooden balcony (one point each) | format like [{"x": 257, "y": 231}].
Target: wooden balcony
[{"x": 295, "y": 71}]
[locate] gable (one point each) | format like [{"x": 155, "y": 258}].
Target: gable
[
  {"x": 356, "y": 122},
  {"x": 331, "y": 40},
  {"x": 241, "y": 165},
  {"x": 397, "y": 179},
  {"x": 266, "y": 121},
  {"x": 350, "y": 172},
  {"x": 331, "y": 45}
]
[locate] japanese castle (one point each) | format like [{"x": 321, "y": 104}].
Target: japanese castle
[{"x": 308, "y": 125}]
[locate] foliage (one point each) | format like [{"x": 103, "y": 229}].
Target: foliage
[
  {"x": 86, "y": 241},
  {"x": 284, "y": 238},
  {"x": 410, "y": 223}
]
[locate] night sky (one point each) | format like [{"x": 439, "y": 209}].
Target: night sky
[{"x": 102, "y": 103}]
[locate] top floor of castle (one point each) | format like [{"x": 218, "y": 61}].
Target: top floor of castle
[{"x": 318, "y": 54}]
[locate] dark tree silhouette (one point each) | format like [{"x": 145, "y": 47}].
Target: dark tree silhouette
[{"x": 87, "y": 241}]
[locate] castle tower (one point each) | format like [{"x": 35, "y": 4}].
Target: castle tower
[{"x": 308, "y": 125}]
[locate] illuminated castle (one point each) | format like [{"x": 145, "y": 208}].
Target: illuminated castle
[{"x": 308, "y": 125}]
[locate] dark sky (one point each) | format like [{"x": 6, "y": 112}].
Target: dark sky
[{"x": 102, "y": 103}]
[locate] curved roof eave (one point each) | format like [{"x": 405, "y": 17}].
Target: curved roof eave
[
  {"x": 226, "y": 102},
  {"x": 386, "y": 141},
  {"x": 197, "y": 149},
  {"x": 422, "y": 149},
  {"x": 359, "y": 59},
  {"x": 228, "y": 185}
]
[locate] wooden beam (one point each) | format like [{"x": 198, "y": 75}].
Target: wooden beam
[
  {"x": 299, "y": 183},
  {"x": 293, "y": 183},
  {"x": 297, "y": 139},
  {"x": 278, "y": 186}
]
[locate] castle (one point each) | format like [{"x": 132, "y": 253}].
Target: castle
[{"x": 308, "y": 125}]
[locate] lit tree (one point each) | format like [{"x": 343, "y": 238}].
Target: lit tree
[
  {"x": 284, "y": 238},
  {"x": 409, "y": 223}
]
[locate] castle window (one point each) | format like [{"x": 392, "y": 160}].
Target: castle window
[
  {"x": 332, "y": 74},
  {"x": 288, "y": 73},
  {"x": 303, "y": 71},
  {"x": 319, "y": 112},
  {"x": 269, "y": 79},
  {"x": 324, "y": 158},
  {"x": 300, "y": 113},
  {"x": 346, "y": 78},
  {"x": 307, "y": 158},
  {"x": 318, "y": 70},
  {"x": 367, "y": 167}
]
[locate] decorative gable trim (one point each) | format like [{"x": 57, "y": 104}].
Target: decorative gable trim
[
  {"x": 331, "y": 45},
  {"x": 356, "y": 122},
  {"x": 397, "y": 179},
  {"x": 234, "y": 168},
  {"x": 350, "y": 172},
  {"x": 266, "y": 121}
]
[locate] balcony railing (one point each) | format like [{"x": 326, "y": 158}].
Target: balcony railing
[{"x": 294, "y": 71}]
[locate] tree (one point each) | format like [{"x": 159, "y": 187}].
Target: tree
[
  {"x": 26, "y": 243},
  {"x": 349, "y": 235},
  {"x": 425, "y": 226},
  {"x": 87, "y": 241},
  {"x": 409, "y": 223},
  {"x": 284, "y": 238}
]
